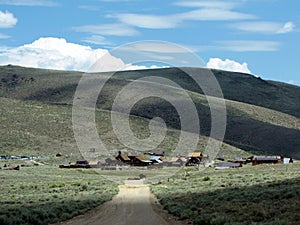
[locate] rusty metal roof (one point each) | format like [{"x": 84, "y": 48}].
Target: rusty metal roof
[
  {"x": 195, "y": 154},
  {"x": 125, "y": 157}
]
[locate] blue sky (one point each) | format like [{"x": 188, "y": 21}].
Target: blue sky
[{"x": 257, "y": 36}]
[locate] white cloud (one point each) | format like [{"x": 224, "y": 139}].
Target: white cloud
[
  {"x": 173, "y": 20},
  {"x": 97, "y": 40},
  {"x": 265, "y": 27},
  {"x": 155, "y": 47},
  {"x": 7, "y": 20},
  {"x": 287, "y": 27},
  {"x": 28, "y": 3},
  {"x": 57, "y": 53},
  {"x": 115, "y": 29},
  {"x": 4, "y": 36},
  {"x": 207, "y": 4},
  {"x": 149, "y": 21},
  {"x": 215, "y": 15},
  {"x": 52, "y": 53},
  {"x": 248, "y": 45},
  {"x": 227, "y": 64}
]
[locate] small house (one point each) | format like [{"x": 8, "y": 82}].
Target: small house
[
  {"x": 123, "y": 158},
  {"x": 95, "y": 164},
  {"x": 139, "y": 161},
  {"x": 194, "y": 158},
  {"x": 177, "y": 161},
  {"x": 266, "y": 160}
]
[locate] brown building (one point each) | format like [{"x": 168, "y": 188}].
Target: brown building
[{"x": 266, "y": 160}]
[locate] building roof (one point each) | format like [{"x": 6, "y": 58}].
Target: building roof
[
  {"x": 143, "y": 159},
  {"x": 195, "y": 154},
  {"x": 94, "y": 162},
  {"x": 266, "y": 158},
  {"x": 156, "y": 158},
  {"x": 125, "y": 157}
]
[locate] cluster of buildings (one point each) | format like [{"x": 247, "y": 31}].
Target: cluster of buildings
[
  {"x": 254, "y": 160},
  {"x": 150, "y": 159},
  {"x": 158, "y": 160}
]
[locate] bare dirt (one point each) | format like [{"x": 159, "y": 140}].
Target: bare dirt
[{"x": 133, "y": 205}]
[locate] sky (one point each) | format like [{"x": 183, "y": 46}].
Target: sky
[{"x": 260, "y": 37}]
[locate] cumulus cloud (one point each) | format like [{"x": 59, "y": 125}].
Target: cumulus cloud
[
  {"x": 227, "y": 64},
  {"x": 57, "y": 53},
  {"x": 7, "y": 20},
  {"x": 52, "y": 53}
]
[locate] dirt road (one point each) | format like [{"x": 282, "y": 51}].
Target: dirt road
[{"x": 133, "y": 205}]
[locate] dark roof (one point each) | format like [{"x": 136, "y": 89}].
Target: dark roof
[
  {"x": 82, "y": 161},
  {"x": 159, "y": 153}
]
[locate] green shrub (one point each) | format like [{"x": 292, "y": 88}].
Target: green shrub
[{"x": 206, "y": 178}]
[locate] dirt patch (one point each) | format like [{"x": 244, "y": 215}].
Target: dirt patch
[{"x": 133, "y": 205}]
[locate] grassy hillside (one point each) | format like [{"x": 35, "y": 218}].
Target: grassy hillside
[
  {"x": 34, "y": 128},
  {"x": 262, "y": 116}
]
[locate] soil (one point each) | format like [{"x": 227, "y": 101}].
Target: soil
[{"x": 133, "y": 205}]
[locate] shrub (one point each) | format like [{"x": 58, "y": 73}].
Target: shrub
[{"x": 206, "y": 178}]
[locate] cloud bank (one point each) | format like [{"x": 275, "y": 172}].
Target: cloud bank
[
  {"x": 52, "y": 53},
  {"x": 57, "y": 53},
  {"x": 227, "y": 64}
]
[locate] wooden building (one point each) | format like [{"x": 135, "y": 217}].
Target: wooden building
[
  {"x": 194, "y": 158},
  {"x": 266, "y": 160}
]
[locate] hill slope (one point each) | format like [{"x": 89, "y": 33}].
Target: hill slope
[{"x": 262, "y": 116}]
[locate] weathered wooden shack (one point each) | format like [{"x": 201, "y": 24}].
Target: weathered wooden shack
[
  {"x": 266, "y": 160},
  {"x": 194, "y": 158}
]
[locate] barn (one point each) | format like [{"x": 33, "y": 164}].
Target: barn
[{"x": 266, "y": 160}]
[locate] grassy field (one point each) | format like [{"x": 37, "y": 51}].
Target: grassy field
[
  {"x": 46, "y": 194},
  {"x": 264, "y": 194}
]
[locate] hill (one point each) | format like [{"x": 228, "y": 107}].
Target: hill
[{"x": 262, "y": 116}]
